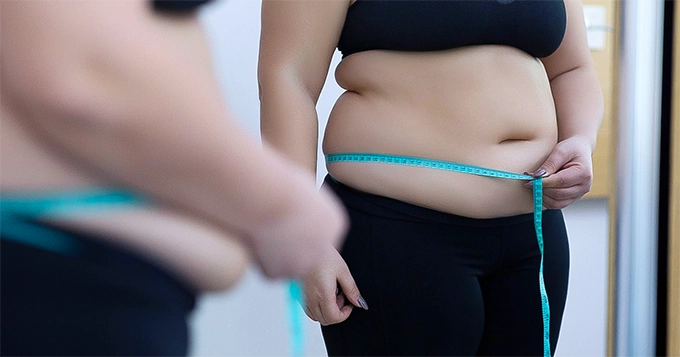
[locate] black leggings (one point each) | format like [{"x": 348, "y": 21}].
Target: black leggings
[
  {"x": 440, "y": 284},
  {"x": 99, "y": 302}
]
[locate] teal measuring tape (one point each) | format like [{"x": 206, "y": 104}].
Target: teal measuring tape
[
  {"x": 295, "y": 301},
  {"x": 537, "y": 184},
  {"x": 18, "y": 209}
]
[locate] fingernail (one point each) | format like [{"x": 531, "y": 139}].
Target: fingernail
[
  {"x": 540, "y": 173},
  {"x": 363, "y": 303},
  {"x": 528, "y": 185}
]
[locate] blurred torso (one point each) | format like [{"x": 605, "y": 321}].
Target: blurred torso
[{"x": 193, "y": 251}]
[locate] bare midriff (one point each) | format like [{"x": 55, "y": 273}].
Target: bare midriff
[
  {"x": 488, "y": 106},
  {"x": 195, "y": 252}
]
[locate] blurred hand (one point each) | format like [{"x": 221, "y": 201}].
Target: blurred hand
[
  {"x": 330, "y": 291},
  {"x": 296, "y": 242},
  {"x": 569, "y": 168}
]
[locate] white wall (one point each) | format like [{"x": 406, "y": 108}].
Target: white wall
[
  {"x": 584, "y": 327},
  {"x": 251, "y": 319}
]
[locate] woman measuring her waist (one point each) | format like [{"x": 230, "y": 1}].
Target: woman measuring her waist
[{"x": 447, "y": 262}]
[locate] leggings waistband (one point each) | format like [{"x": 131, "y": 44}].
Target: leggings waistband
[
  {"x": 124, "y": 268},
  {"x": 386, "y": 207}
]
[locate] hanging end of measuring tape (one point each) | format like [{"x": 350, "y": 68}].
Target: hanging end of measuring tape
[
  {"x": 296, "y": 292},
  {"x": 295, "y": 302}
]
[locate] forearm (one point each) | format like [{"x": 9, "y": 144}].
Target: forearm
[
  {"x": 146, "y": 116},
  {"x": 579, "y": 104},
  {"x": 289, "y": 120}
]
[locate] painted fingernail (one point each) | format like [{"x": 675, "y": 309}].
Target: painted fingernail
[
  {"x": 540, "y": 173},
  {"x": 363, "y": 303}
]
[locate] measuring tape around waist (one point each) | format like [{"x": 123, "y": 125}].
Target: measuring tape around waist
[
  {"x": 19, "y": 211},
  {"x": 537, "y": 185}
]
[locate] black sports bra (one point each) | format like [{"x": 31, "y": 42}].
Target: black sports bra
[
  {"x": 177, "y": 5},
  {"x": 534, "y": 26}
]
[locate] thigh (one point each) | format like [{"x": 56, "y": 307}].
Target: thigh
[
  {"x": 422, "y": 299},
  {"x": 514, "y": 323}
]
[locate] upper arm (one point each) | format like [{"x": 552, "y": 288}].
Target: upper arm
[
  {"x": 298, "y": 40},
  {"x": 573, "y": 52}
]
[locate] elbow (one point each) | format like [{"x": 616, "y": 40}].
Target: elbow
[
  {"x": 280, "y": 80},
  {"x": 598, "y": 97},
  {"x": 271, "y": 81}
]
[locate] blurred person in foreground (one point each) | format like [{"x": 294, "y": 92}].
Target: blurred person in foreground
[{"x": 127, "y": 189}]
